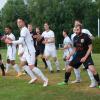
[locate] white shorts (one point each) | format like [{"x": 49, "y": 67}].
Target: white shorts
[
  {"x": 50, "y": 51},
  {"x": 29, "y": 58},
  {"x": 11, "y": 54}
]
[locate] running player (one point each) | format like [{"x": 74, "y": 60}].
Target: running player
[
  {"x": 82, "y": 51},
  {"x": 77, "y": 71},
  {"x": 11, "y": 52},
  {"x": 40, "y": 46},
  {"x": 50, "y": 49},
  {"x": 29, "y": 53}
]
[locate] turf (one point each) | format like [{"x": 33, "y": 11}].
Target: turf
[{"x": 12, "y": 88}]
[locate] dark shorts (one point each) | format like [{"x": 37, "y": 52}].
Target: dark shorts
[
  {"x": 75, "y": 63},
  {"x": 40, "y": 51}
]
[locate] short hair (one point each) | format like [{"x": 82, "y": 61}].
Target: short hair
[
  {"x": 46, "y": 23},
  {"x": 21, "y": 19},
  {"x": 8, "y": 26},
  {"x": 78, "y": 20},
  {"x": 66, "y": 31},
  {"x": 80, "y": 26}
]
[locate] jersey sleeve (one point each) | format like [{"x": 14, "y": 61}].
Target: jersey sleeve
[
  {"x": 23, "y": 33},
  {"x": 88, "y": 40},
  {"x": 52, "y": 34}
]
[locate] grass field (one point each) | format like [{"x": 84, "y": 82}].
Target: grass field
[{"x": 12, "y": 88}]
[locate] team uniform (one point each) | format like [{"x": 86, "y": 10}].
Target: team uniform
[
  {"x": 11, "y": 48},
  {"x": 81, "y": 44},
  {"x": 77, "y": 71},
  {"x": 11, "y": 55},
  {"x": 29, "y": 50},
  {"x": 40, "y": 50},
  {"x": 29, "y": 55},
  {"x": 50, "y": 48},
  {"x": 67, "y": 41}
]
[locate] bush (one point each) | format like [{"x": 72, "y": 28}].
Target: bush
[{"x": 96, "y": 45}]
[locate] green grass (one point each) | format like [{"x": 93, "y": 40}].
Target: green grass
[{"x": 12, "y": 88}]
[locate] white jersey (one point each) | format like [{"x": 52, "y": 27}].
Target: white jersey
[
  {"x": 85, "y": 31},
  {"x": 48, "y": 35},
  {"x": 67, "y": 41},
  {"x": 11, "y": 48},
  {"x": 28, "y": 41}
]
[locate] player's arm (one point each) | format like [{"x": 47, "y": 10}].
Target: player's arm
[
  {"x": 71, "y": 54},
  {"x": 89, "y": 43},
  {"x": 88, "y": 51},
  {"x": 67, "y": 46},
  {"x": 20, "y": 41},
  {"x": 51, "y": 40}
]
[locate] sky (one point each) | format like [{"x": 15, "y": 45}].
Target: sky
[{"x": 2, "y": 3}]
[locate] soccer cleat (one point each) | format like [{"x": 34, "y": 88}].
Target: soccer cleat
[
  {"x": 51, "y": 71},
  {"x": 32, "y": 80},
  {"x": 63, "y": 69},
  {"x": 99, "y": 86},
  {"x": 76, "y": 81},
  {"x": 58, "y": 71},
  {"x": 19, "y": 74},
  {"x": 62, "y": 83},
  {"x": 92, "y": 85},
  {"x": 45, "y": 84}
]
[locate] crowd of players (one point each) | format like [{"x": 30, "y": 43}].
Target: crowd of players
[{"x": 77, "y": 51}]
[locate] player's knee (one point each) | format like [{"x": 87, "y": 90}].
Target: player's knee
[
  {"x": 92, "y": 69},
  {"x": 69, "y": 69}
]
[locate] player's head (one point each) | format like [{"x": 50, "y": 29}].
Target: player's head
[
  {"x": 30, "y": 27},
  {"x": 37, "y": 30},
  {"x": 21, "y": 22},
  {"x": 65, "y": 32},
  {"x": 46, "y": 26},
  {"x": 77, "y": 22},
  {"x": 78, "y": 29},
  {"x": 8, "y": 29}
]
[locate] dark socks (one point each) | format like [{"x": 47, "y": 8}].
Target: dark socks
[
  {"x": 97, "y": 78},
  {"x": 43, "y": 59},
  {"x": 67, "y": 75},
  {"x": 35, "y": 62},
  {"x": 3, "y": 69}
]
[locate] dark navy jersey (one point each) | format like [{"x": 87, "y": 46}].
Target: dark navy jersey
[{"x": 81, "y": 42}]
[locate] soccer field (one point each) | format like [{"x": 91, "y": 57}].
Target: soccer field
[{"x": 12, "y": 88}]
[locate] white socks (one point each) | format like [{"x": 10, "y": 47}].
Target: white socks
[
  {"x": 16, "y": 67},
  {"x": 38, "y": 72},
  {"x": 91, "y": 76},
  {"x": 29, "y": 71},
  {"x": 49, "y": 65},
  {"x": 77, "y": 74},
  {"x": 57, "y": 65},
  {"x": 7, "y": 67}
]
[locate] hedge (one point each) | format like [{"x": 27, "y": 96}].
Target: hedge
[{"x": 96, "y": 45}]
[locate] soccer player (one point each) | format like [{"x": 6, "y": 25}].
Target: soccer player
[
  {"x": 33, "y": 34},
  {"x": 2, "y": 66},
  {"x": 40, "y": 46},
  {"x": 77, "y": 71},
  {"x": 29, "y": 53},
  {"x": 82, "y": 51},
  {"x": 50, "y": 48},
  {"x": 11, "y": 52}
]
